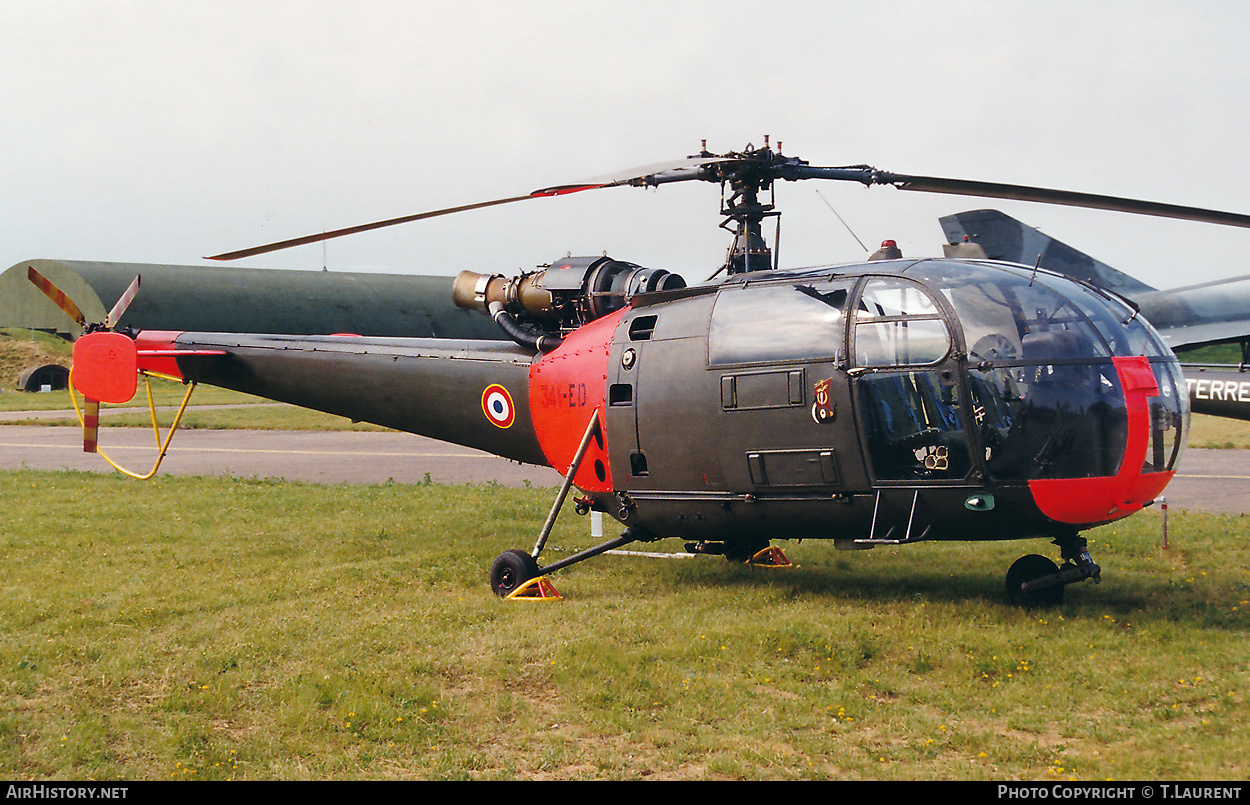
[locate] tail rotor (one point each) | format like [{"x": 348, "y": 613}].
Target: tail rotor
[{"x": 106, "y": 362}]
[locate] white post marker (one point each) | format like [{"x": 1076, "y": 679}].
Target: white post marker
[{"x": 1163, "y": 507}]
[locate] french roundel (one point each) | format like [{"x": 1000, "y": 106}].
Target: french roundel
[{"x": 498, "y": 407}]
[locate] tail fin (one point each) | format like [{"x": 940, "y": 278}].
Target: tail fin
[{"x": 1004, "y": 238}]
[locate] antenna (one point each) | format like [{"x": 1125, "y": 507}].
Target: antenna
[{"x": 844, "y": 223}]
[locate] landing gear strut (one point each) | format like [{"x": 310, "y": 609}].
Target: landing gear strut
[
  {"x": 1035, "y": 581},
  {"x": 512, "y": 569}
]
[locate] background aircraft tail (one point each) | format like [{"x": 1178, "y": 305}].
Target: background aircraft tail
[
  {"x": 1187, "y": 318},
  {"x": 1002, "y": 237},
  {"x": 1193, "y": 316}
]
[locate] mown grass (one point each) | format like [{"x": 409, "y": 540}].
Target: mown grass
[
  {"x": 197, "y": 628},
  {"x": 164, "y": 392},
  {"x": 1217, "y": 433}
]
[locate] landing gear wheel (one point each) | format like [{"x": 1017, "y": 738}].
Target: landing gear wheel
[
  {"x": 510, "y": 570},
  {"x": 1030, "y": 568},
  {"x": 742, "y": 550}
]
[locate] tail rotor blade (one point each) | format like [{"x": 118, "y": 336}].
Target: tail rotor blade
[
  {"x": 124, "y": 302},
  {"x": 56, "y": 295},
  {"x": 90, "y": 425}
]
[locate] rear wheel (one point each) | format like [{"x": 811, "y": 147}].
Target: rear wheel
[
  {"x": 742, "y": 550},
  {"x": 1027, "y": 569},
  {"x": 510, "y": 570}
]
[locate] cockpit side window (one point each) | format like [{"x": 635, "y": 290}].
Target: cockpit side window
[
  {"x": 1168, "y": 414},
  {"x": 897, "y": 323},
  {"x": 790, "y": 321}
]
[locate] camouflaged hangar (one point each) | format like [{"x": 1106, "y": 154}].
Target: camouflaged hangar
[{"x": 251, "y": 300}]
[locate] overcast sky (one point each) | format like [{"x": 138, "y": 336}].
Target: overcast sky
[{"x": 152, "y": 131}]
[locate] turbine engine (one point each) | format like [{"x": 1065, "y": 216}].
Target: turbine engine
[{"x": 538, "y": 308}]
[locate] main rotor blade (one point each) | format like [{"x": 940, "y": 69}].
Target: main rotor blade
[
  {"x": 680, "y": 170},
  {"x": 352, "y": 230},
  {"x": 930, "y": 184},
  {"x": 649, "y": 175},
  {"x": 110, "y": 321},
  {"x": 751, "y": 166},
  {"x": 56, "y": 295}
]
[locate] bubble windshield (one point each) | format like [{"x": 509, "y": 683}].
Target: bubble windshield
[{"x": 1043, "y": 398}]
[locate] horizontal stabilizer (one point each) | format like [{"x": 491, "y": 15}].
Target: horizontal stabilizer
[{"x": 1197, "y": 315}]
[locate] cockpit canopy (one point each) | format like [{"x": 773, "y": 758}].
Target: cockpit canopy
[{"x": 963, "y": 366}]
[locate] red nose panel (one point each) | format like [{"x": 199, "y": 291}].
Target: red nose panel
[
  {"x": 566, "y": 387},
  {"x": 1088, "y": 501}
]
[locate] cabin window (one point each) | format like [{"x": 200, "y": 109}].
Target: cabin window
[{"x": 791, "y": 321}]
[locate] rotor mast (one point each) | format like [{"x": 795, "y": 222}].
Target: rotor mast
[{"x": 743, "y": 177}]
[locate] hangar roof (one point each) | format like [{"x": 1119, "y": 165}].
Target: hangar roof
[{"x": 252, "y": 300}]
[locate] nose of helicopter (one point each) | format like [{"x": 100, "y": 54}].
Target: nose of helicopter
[{"x": 1089, "y": 501}]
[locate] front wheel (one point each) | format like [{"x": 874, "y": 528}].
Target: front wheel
[
  {"x": 510, "y": 570},
  {"x": 1030, "y": 568}
]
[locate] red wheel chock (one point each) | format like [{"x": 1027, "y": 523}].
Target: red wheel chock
[
  {"x": 770, "y": 557},
  {"x": 536, "y": 589}
]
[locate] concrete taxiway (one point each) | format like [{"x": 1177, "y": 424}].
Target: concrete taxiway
[
  {"x": 1208, "y": 480},
  {"x": 315, "y": 456}
]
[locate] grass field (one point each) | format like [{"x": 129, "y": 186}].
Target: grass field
[{"x": 197, "y": 628}]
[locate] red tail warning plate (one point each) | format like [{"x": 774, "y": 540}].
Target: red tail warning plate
[{"x": 106, "y": 367}]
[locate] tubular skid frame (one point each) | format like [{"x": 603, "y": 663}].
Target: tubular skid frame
[{"x": 162, "y": 446}]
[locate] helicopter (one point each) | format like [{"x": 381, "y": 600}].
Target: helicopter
[{"x": 884, "y": 402}]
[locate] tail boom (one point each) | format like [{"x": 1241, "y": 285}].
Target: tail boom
[{"x": 471, "y": 393}]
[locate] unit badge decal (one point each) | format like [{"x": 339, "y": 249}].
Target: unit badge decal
[{"x": 823, "y": 409}]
